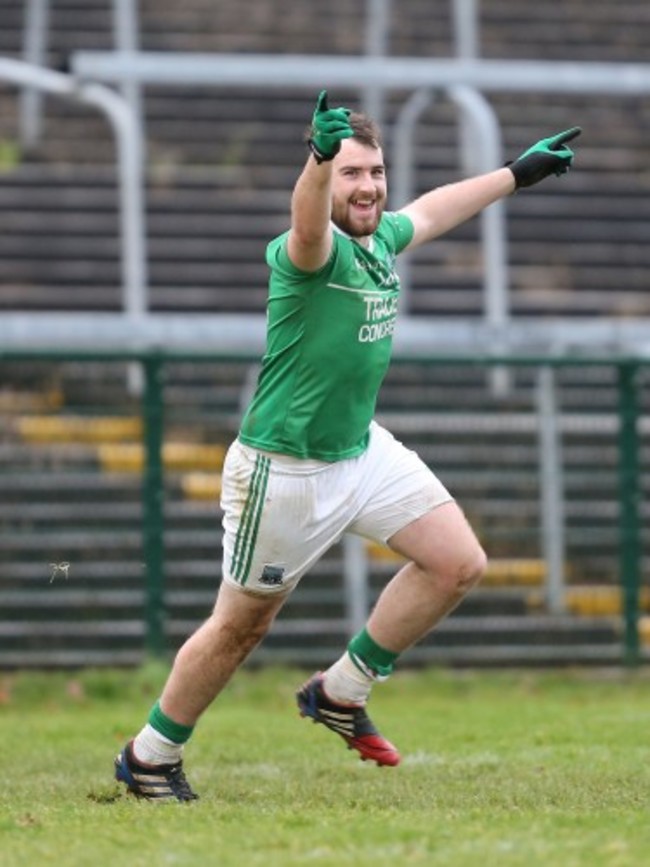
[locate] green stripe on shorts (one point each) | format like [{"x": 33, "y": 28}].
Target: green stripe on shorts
[{"x": 250, "y": 520}]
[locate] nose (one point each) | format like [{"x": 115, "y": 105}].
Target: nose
[{"x": 367, "y": 182}]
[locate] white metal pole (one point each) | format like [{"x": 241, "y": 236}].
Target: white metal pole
[
  {"x": 127, "y": 42},
  {"x": 402, "y": 176},
  {"x": 125, "y": 127},
  {"x": 480, "y": 127},
  {"x": 178, "y": 69},
  {"x": 355, "y": 581},
  {"x": 467, "y": 43},
  {"x": 35, "y": 40},
  {"x": 376, "y": 45},
  {"x": 552, "y": 489}
]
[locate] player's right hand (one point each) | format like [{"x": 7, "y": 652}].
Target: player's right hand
[{"x": 329, "y": 126}]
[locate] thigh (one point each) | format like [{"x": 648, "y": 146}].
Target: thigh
[
  {"x": 440, "y": 542},
  {"x": 398, "y": 488},
  {"x": 279, "y": 518}
]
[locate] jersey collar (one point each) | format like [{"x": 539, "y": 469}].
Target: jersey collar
[{"x": 371, "y": 242}]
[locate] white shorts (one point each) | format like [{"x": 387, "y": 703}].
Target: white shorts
[{"x": 281, "y": 514}]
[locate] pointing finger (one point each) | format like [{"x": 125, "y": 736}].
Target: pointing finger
[{"x": 565, "y": 137}]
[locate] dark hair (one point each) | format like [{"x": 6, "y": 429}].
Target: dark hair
[{"x": 366, "y": 131}]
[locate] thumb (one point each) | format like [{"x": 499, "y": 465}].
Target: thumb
[{"x": 321, "y": 104}]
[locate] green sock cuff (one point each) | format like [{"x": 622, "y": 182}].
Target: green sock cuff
[
  {"x": 173, "y": 731},
  {"x": 364, "y": 651}
]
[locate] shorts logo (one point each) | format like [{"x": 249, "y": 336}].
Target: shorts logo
[{"x": 272, "y": 575}]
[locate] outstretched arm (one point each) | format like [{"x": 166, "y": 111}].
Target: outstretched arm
[
  {"x": 310, "y": 236},
  {"x": 440, "y": 210}
]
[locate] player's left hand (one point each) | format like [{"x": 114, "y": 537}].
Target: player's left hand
[{"x": 549, "y": 156}]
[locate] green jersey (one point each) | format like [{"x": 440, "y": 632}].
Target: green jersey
[{"x": 329, "y": 338}]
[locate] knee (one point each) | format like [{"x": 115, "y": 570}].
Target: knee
[
  {"x": 221, "y": 636},
  {"x": 465, "y": 573},
  {"x": 474, "y": 570},
  {"x": 240, "y": 620},
  {"x": 236, "y": 638}
]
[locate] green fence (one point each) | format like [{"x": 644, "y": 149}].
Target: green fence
[{"x": 609, "y": 394}]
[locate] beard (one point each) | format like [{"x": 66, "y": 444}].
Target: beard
[{"x": 357, "y": 226}]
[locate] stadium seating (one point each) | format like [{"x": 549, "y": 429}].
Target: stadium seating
[
  {"x": 218, "y": 182},
  {"x": 215, "y": 195}
]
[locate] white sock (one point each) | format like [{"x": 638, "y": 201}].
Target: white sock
[
  {"x": 152, "y": 748},
  {"x": 345, "y": 683}
]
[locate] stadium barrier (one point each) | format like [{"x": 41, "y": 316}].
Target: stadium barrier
[{"x": 621, "y": 426}]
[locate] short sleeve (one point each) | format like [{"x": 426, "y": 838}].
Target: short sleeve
[{"x": 397, "y": 230}]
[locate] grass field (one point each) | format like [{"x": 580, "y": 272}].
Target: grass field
[{"x": 502, "y": 769}]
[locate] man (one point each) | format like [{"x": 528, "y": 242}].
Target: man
[{"x": 311, "y": 464}]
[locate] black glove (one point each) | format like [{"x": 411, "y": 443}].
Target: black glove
[{"x": 550, "y": 156}]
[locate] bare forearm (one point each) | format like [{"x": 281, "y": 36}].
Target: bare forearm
[
  {"x": 440, "y": 210},
  {"x": 311, "y": 207},
  {"x": 311, "y": 202}
]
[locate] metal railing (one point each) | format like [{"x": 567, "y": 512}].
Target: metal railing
[
  {"x": 628, "y": 420},
  {"x": 465, "y": 80},
  {"x": 125, "y": 124}
]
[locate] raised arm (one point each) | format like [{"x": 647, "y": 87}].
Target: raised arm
[
  {"x": 310, "y": 236},
  {"x": 440, "y": 210}
]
